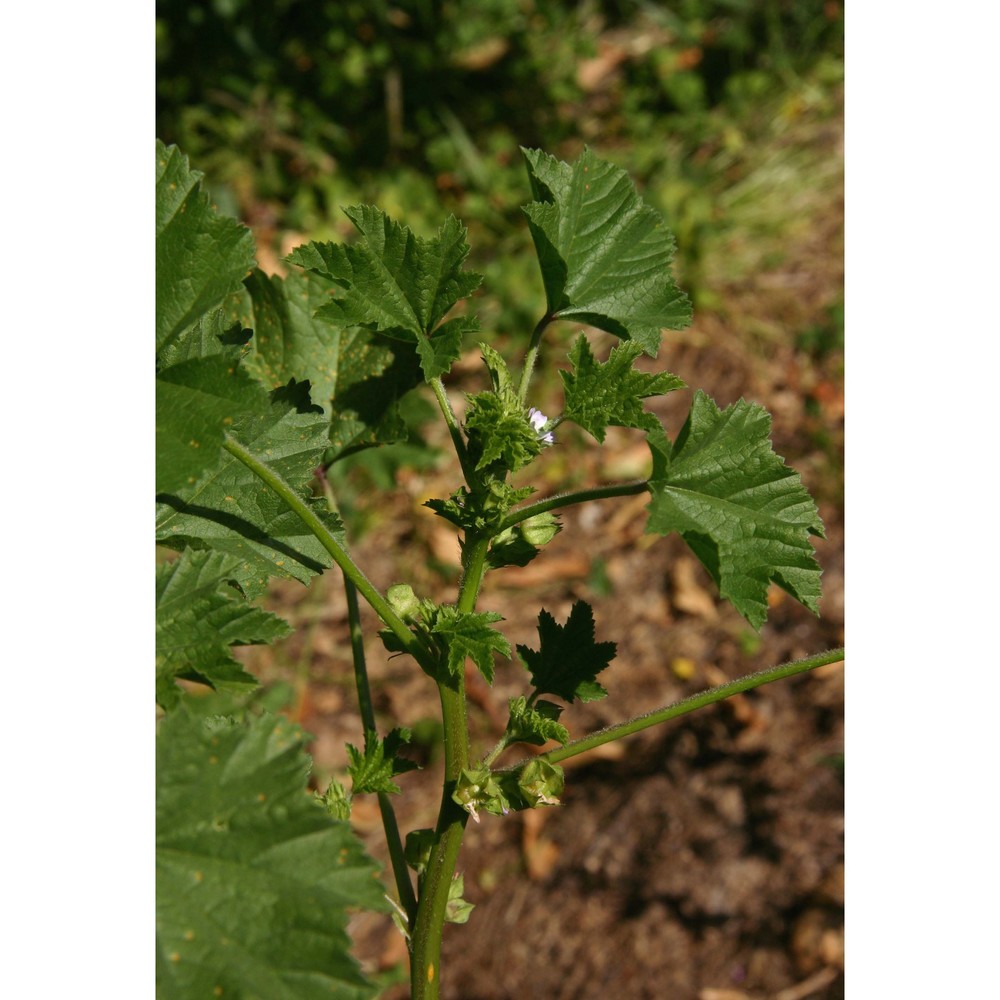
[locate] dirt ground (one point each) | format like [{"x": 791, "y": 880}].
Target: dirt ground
[{"x": 702, "y": 859}]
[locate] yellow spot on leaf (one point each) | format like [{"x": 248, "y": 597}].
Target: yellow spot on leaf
[
  {"x": 227, "y": 420},
  {"x": 262, "y": 797},
  {"x": 194, "y": 444},
  {"x": 198, "y": 876},
  {"x": 213, "y": 759},
  {"x": 217, "y": 991},
  {"x": 189, "y": 935},
  {"x": 430, "y": 973},
  {"x": 230, "y": 500},
  {"x": 175, "y": 957}
]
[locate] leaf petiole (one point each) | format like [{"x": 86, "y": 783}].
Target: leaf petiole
[
  {"x": 452, "y": 421},
  {"x": 365, "y": 587},
  {"x": 531, "y": 356},
  {"x": 573, "y": 497},
  {"x": 683, "y": 707}
]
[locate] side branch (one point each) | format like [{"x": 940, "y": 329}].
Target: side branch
[
  {"x": 685, "y": 706},
  {"x": 350, "y": 569}
]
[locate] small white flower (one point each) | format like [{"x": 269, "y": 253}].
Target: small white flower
[{"x": 538, "y": 420}]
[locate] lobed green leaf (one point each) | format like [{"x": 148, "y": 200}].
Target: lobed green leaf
[
  {"x": 742, "y": 511},
  {"x": 374, "y": 769},
  {"x": 599, "y": 395},
  {"x": 358, "y": 376},
  {"x": 254, "y": 880},
  {"x": 201, "y": 257},
  {"x": 568, "y": 659},
  {"x": 199, "y": 616},
  {"x": 468, "y": 635},
  {"x": 228, "y": 509},
  {"x": 605, "y": 255},
  {"x": 397, "y": 283}
]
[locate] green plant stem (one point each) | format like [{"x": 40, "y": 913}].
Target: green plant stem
[
  {"x": 425, "y": 958},
  {"x": 400, "y": 871},
  {"x": 501, "y": 745},
  {"x": 452, "y": 421},
  {"x": 351, "y": 572},
  {"x": 685, "y": 706},
  {"x": 358, "y": 655},
  {"x": 568, "y": 499},
  {"x": 531, "y": 356}
]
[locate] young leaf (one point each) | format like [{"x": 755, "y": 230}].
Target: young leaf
[
  {"x": 397, "y": 283},
  {"x": 742, "y": 511},
  {"x": 201, "y": 257},
  {"x": 254, "y": 880},
  {"x": 536, "y": 725},
  {"x": 228, "y": 509},
  {"x": 497, "y": 423},
  {"x": 598, "y": 395},
  {"x": 605, "y": 255},
  {"x": 199, "y": 616},
  {"x": 356, "y": 375},
  {"x": 468, "y": 634},
  {"x": 458, "y": 910},
  {"x": 373, "y": 770},
  {"x": 568, "y": 659},
  {"x": 481, "y": 512}
]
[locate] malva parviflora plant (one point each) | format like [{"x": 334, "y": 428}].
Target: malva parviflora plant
[{"x": 260, "y": 382}]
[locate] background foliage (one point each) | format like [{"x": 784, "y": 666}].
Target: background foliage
[{"x": 295, "y": 108}]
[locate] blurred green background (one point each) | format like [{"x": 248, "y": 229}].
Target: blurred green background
[{"x": 716, "y": 107}]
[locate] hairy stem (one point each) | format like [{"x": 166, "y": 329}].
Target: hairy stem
[
  {"x": 453, "y": 429},
  {"x": 351, "y": 571},
  {"x": 685, "y": 706},
  {"x": 531, "y": 356},
  {"x": 574, "y": 497},
  {"x": 425, "y": 959},
  {"x": 400, "y": 872}
]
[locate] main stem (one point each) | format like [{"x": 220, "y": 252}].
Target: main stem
[{"x": 425, "y": 958}]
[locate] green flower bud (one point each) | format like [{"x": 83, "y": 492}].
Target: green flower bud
[
  {"x": 417, "y": 851},
  {"x": 336, "y": 801},
  {"x": 540, "y": 529},
  {"x": 404, "y": 602},
  {"x": 541, "y": 783},
  {"x": 480, "y": 789}
]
